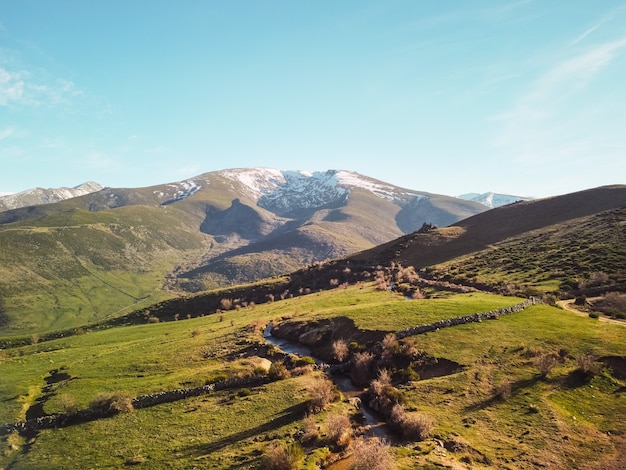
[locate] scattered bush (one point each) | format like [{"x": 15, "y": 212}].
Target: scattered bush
[
  {"x": 68, "y": 403},
  {"x": 340, "y": 350},
  {"x": 362, "y": 367},
  {"x": 310, "y": 431},
  {"x": 371, "y": 454},
  {"x": 321, "y": 394},
  {"x": 278, "y": 371},
  {"x": 226, "y": 304},
  {"x": 196, "y": 332},
  {"x": 594, "y": 315},
  {"x": 153, "y": 320},
  {"x": 546, "y": 362},
  {"x": 112, "y": 403},
  {"x": 588, "y": 365},
  {"x": 280, "y": 456},
  {"x": 412, "y": 426},
  {"x": 503, "y": 390},
  {"x": 339, "y": 429}
]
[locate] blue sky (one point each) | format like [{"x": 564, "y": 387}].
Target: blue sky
[{"x": 523, "y": 97}]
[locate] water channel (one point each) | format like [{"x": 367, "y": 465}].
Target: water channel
[{"x": 376, "y": 425}]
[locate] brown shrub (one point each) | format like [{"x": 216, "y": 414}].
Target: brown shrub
[
  {"x": 153, "y": 320},
  {"x": 321, "y": 394},
  {"x": 588, "y": 365},
  {"x": 361, "y": 367},
  {"x": 546, "y": 362},
  {"x": 115, "y": 403},
  {"x": 371, "y": 454},
  {"x": 226, "y": 304},
  {"x": 503, "y": 390},
  {"x": 310, "y": 431},
  {"x": 339, "y": 429},
  {"x": 340, "y": 350},
  {"x": 278, "y": 371},
  {"x": 412, "y": 426},
  {"x": 280, "y": 456}
]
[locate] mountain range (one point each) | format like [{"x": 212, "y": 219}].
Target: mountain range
[
  {"x": 90, "y": 256},
  {"x": 36, "y": 196}
]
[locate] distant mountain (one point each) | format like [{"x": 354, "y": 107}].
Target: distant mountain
[
  {"x": 492, "y": 200},
  {"x": 35, "y": 196},
  {"x": 93, "y": 255}
]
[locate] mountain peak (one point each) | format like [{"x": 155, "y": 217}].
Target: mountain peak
[{"x": 492, "y": 200}]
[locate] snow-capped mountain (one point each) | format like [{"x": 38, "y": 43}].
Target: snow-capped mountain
[
  {"x": 36, "y": 196},
  {"x": 494, "y": 199},
  {"x": 289, "y": 192}
]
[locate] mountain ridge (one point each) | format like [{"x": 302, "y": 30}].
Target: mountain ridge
[{"x": 212, "y": 230}]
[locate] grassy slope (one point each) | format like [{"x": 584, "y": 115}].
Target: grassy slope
[
  {"x": 231, "y": 432},
  {"x": 70, "y": 268},
  {"x": 562, "y": 254}
]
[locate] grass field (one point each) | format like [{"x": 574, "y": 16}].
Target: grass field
[{"x": 554, "y": 421}]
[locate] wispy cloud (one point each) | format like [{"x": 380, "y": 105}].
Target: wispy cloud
[
  {"x": 595, "y": 27},
  {"x": 23, "y": 88},
  {"x": 6, "y": 133},
  {"x": 555, "y": 86}
]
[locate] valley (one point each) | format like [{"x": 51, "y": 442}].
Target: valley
[{"x": 453, "y": 344}]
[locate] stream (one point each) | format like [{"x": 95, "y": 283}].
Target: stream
[{"x": 377, "y": 426}]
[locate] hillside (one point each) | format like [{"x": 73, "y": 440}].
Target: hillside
[
  {"x": 559, "y": 239},
  {"x": 536, "y": 388},
  {"x": 84, "y": 259}
]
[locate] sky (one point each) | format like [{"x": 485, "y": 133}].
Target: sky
[{"x": 519, "y": 97}]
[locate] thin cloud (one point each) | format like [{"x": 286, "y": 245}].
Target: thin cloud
[
  {"x": 20, "y": 88},
  {"x": 556, "y": 85},
  {"x": 6, "y": 133}
]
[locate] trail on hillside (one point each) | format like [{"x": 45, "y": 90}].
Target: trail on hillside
[{"x": 569, "y": 306}]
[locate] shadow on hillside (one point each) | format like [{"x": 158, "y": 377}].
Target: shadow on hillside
[
  {"x": 287, "y": 416},
  {"x": 516, "y": 387}
]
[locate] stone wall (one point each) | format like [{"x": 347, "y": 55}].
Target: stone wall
[
  {"x": 474, "y": 318},
  {"x": 66, "y": 419}
]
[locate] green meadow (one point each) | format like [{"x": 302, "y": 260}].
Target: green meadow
[{"x": 556, "y": 420}]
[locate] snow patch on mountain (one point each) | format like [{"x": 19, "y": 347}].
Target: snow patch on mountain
[
  {"x": 36, "y": 196},
  {"x": 178, "y": 191},
  {"x": 493, "y": 200},
  {"x": 290, "y": 191}
]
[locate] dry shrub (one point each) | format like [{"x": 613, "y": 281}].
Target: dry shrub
[
  {"x": 340, "y": 350},
  {"x": 413, "y": 426},
  {"x": 390, "y": 345},
  {"x": 321, "y": 394},
  {"x": 68, "y": 403},
  {"x": 588, "y": 365},
  {"x": 371, "y": 454},
  {"x": 196, "y": 332},
  {"x": 361, "y": 367},
  {"x": 153, "y": 320},
  {"x": 280, "y": 456},
  {"x": 417, "y": 426},
  {"x": 546, "y": 362},
  {"x": 503, "y": 390},
  {"x": 339, "y": 429},
  {"x": 278, "y": 371},
  {"x": 115, "y": 403},
  {"x": 226, "y": 304},
  {"x": 310, "y": 431},
  {"x": 301, "y": 370}
]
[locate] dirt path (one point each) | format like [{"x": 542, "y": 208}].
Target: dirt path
[{"x": 570, "y": 307}]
